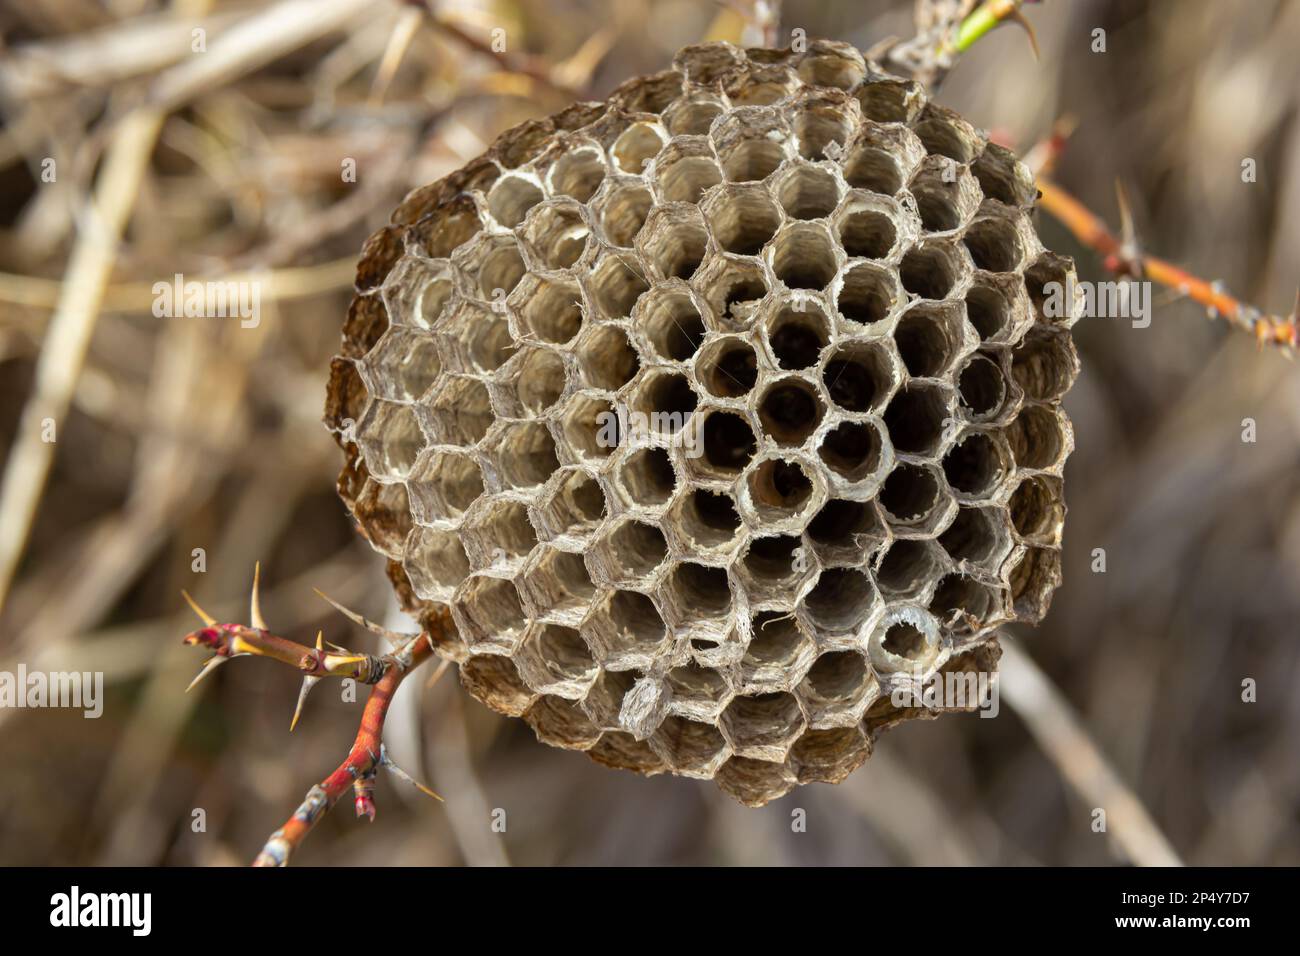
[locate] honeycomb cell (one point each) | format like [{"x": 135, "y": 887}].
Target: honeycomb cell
[{"x": 715, "y": 412}]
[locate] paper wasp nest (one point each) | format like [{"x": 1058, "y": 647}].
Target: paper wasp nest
[{"x": 715, "y": 410}]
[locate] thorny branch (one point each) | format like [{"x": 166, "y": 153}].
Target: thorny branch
[
  {"x": 385, "y": 673},
  {"x": 1123, "y": 256},
  {"x": 945, "y": 29}
]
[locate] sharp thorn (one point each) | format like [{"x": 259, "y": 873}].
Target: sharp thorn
[
  {"x": 393, "y": 637},
  {"x": 308, "y": 683},
  {"x": 1019, "y": 17},
  {"x": 401, "y": 774},
  {"x": 255, "y": 603},
  {"x": 204, "y": 616},
  {"x": 210, "y": 665},
  {"x": 320, "y": 640},
  {"x": 441, "y": 669}
]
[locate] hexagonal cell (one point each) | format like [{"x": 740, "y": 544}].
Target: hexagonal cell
[
  {"x": 1003, "y": 177},
  {"x": 916, "y": 418},
  {"x": 435, "y": 563},
  {"x": 498, "y": 265},
  {"x": 778, "y": 653},
  {"x": 686, "y": 171},
  {"x": 577, "y": 173},
  {"x": 402, "y": 365},
  {"x": 691, "y": 748},
  {"x": 697, "y": 692},
  {"x": 945, "y": 133},
  {"x": 670, "y": 320},
  {"x": 674, "y": 241},
  {"x": 829, "y": 755},
  {"x": 498, "y": 534},
  {"x": 630, "y": 551},
  {"x": 888, "y": 99},
  {"x": 664, "y": 402},
  {"x": 779, "y": 489},
  {"x": 976, "y": 466},
  {"x": 607, "y": 358},
  {"x": 853, "y": 450},
  {"x": 931, "y": 269},
  {"x": 874, "y": 168},
  {"x": 525, "y": 454},
  {"x": 1056, "y": 295},
  {"x": 550, "y": 309},
  {"x": 416, "y": 293},
  {"x": 761, "y": 86},
  {"x": 909, "y": 569},
  {"x": 511, "y": 197},
  {"x": 1038, "y": 438},
  {"x": 946, "y": 196},
  {"x": 754, "y": 782},
  {"x": 859, "y": 377},
  {"x": 604, "y": 702},
  {"x": 556, "y": 586},
  {"x": 625, "y": 630},
  {"x": 765, "y": 726},
  {"x": 706, "y": 520},
  {"x": 1045, "y": 364},
  {"x": 557, "y": 234},
  {"x": 449, "y": 227},
  {"x": 539, "y": 380},
  {"x": 1037, "y": 510},
  {"x": 384, "y": 510},
  {"x": 774, "y": 567},
  {"x": 647, "y": 478},
  {"x": 495, "y": 681},
  {"x": 742, "y": 218},
  {"x": 796, "y": 334},
  {"x": 867, "y": 294},
  {"x": 749, "y": 155},
  {"x": 728, "y": 367},
  {"x": 698, "y": 596},
  {"x": 622, "y": 751},
  {"x": 988, "y": 310},
  {"x": 868, "y": 228},
  {"x": 636, "y": 146},
  {"x": 615, "y": 287},
  {"x": 906, "y": 641},
  {"x": 838, "y": 689},
  {"x": 733, "y": 290},
  {"x": 790, "y": 410},
  {"x": 1033, "y": 581},
  {"x": 981, "y": 388},
  {"x": 487, "y": 340},
  {"x": 807, "y": 192},
  {"x": 994, "y": 244},
  {"x": 819, "y": 122},
  {"x": 726, "y": 444},
  {"x": 623, "y": 213},
  {"x": 803, "y": 256},
  {"x": 561, "y": 723},
  {"x": 460, "y": 412},
  {"x": 591, "y": 428},
  {"x": 488, "y": 614},
  {"x": 845, "y": 532},
  {"x": 443, "y": 485},
  {"x": 964, "y": 604},
  {"x": 930, "y": 337},
  {"x": 390, "y": 439},
  {"x": 832, "y": 64},
  {"x": 693, "y": 115},
  {"x": 841, "y": 600},
  {"x": 554, "y": 659},
  {"x": 575, "y": 505},
  {"x": 977, "y": 536},
  {"x": 911, "y": 495}
]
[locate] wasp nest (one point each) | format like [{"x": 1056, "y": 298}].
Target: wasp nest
[{"x": 714, "y": 411}]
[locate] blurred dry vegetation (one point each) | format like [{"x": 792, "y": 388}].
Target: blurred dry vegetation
[{"x": 198, "y": 433}]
